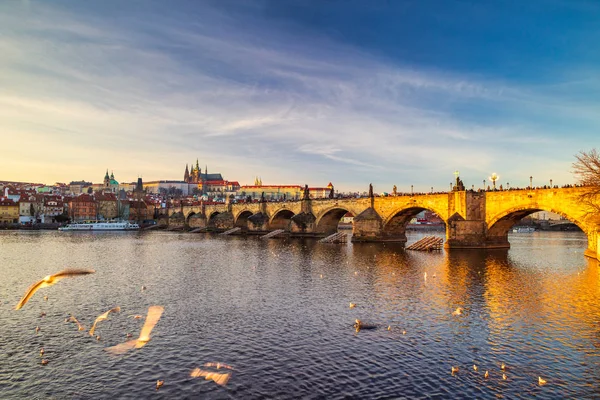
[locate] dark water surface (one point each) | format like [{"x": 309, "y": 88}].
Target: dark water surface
[{"x": 278, "y": 311}]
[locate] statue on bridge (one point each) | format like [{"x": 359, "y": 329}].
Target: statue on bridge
[
  {"x": 262, "y": 197},
  {"x": 306, "y": 193},
  {"x": 395, "y": 191}
]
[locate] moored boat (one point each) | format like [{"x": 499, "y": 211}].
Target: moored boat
[
  {"x": 524, "y": 229},
  {"x": 100, "y": 226}
]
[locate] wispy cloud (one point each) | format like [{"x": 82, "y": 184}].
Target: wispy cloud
[{"x": 252, "y": 99}]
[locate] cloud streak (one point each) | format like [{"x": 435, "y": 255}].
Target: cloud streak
[{"x": 249, "y": 98}]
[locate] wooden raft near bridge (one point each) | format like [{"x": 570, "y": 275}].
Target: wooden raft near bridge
[
  {"x": 338, "y": 237},
  {"x": 428, "y": 243}
]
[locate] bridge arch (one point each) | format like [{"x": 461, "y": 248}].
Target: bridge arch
[
  {"x": 328, "y": 220},
  {"x": 210, "y": 222},
  {"x": 394, "y": 226},
  {"x": 281, "y": 219},
  {"x": 187, "y": 218},
  {"x": 500, "y": 224},
  {"x": 241, "y": 220}
]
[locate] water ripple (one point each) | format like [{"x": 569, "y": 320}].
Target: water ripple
[{"x": 278, "y": 311}]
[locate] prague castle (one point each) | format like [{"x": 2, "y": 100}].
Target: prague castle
[{"x": 196, "y": 182}]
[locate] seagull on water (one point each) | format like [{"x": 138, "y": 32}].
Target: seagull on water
[
  {"x": 541, "y": 381},
  {"x": 49, "y": 281},
  {"x": 103, "y": 317},
  {"x": 458, "y": 311},
  {"x": 154, "y": 313}
]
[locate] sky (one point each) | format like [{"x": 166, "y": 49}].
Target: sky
[{"x": 299, "y": 91}]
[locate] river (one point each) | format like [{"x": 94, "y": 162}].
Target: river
[{"x": 278, "y": 312}]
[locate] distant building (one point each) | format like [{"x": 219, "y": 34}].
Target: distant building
[
  {"x": 78, "y": 187},
  {"x": 52, "y": 208},
  {"x": 168, "y": 187},
  {"x": 195, "y": 182},
  {"x": 28, "y": 209},
  {"x": 9, "y": 211},
  {"x": 83, "y": 207},
  {"x": 281, "y": 192},
  {"x": 107, "y": 205}
]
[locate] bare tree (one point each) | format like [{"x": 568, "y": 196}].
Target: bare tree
[{"x": 587, "y": 170}]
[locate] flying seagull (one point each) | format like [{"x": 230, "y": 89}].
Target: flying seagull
[
  {"x": 79, "y": 326},
  {"x": 49, "y": 281},
  {"x": 103, "y": 317},
  {"x": 154, "y": 313},
  {"x": 218, "y": 378}
]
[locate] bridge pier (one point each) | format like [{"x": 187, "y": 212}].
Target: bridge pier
[
  {"x": 197, "y": 221},
  {"x": 368, "y": 227},
  {"x": 593, "y": 250},
  {"x": 258, "y": 223},
  {"x": 303, "y": 224},
  {"x": 221, "y": 222}
]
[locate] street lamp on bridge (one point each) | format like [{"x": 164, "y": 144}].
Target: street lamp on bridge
[
  {"x": 494, "y": 178},
  {"x": 550, "y": 183},
  {"x": 484, "y": 185},
  {"x": 531, "y": 182}
]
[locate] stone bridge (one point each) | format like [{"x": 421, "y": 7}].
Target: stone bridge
[{"x": 473, "y": 219}]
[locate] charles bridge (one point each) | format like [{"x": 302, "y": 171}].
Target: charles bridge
[{"x": 473, "y": 220}]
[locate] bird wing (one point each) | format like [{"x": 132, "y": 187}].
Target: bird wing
[
  {"x": 79, "y": 326},
  {"x": 197, "y": 372},
  {"x": 154, "y": 313},
  {"x": 68, "y": 273},
  {"x": 218, "y": 365},
  {"x": 49, "y": 281},
  {"x": 31, "y": 291},
  {"x": 122, "y": 348},
  {"x": 101, "y": 317},
  {"x": 219, "y": 379}
]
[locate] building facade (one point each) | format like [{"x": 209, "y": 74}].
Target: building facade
[
  {"x": 82, "y": 208},
  {"x": 9, "y": 211}
]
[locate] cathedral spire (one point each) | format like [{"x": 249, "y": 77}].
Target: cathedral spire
[
  {"x": 197, "y": 165},
  {"x": 186, "y": 175},
  {"x": 106, "y": 176}
]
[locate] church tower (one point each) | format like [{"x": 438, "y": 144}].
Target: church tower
[{"x": 106, "y": 180}]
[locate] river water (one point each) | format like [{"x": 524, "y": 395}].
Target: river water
[{"x": 278, "y": 312}]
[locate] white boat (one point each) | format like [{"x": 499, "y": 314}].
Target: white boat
[
  {"x": 524, "y": 229},
  {"x": 100, "y": 226}
]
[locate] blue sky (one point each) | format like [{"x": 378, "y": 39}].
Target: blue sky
[{"x": 352, "y": 92}]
